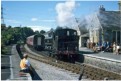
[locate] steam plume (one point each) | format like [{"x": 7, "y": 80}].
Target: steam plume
[{"x": 65, "y": 15}]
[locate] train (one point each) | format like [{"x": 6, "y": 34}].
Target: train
[
  {"x": 63, "y": 44},
  {"x": 36, "y": 42}
]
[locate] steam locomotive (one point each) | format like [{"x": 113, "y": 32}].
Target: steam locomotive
[{"x": 63, "y": 43}]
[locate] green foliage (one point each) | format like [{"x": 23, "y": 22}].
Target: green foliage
[
  {"x": 15, "y": 35},
  {"x": 36, "y": 32},
  {"x": 42, "y": 32},
  {"x": 3, "y": 48}
]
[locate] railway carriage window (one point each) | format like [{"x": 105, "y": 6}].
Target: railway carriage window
[
  {"x": 39, "y": 41},
  {"x": 74, "y": 33},
  {"x": 47, "y": 40},
  {"x": 67, "y": 33}
]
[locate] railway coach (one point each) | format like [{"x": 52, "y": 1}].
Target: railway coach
[{"x": 36, "y": 41}]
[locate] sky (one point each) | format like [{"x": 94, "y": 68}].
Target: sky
[{"x": 44, "y": 15}]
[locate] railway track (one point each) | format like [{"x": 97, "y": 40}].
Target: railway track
[
  {"x": 48, "y": 60},
  {"x": 90, "y": 72}
]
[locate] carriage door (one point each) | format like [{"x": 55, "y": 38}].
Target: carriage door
[{"x": 39, "y": 41}]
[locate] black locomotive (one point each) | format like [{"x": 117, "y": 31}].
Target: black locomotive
[{"x": 65, "y": 44}]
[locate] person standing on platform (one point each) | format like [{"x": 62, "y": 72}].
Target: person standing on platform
[
  {"x": 118, "y": 48},
  {"x": 114, "y": 47}
]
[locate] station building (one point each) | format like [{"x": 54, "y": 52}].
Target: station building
[
  {"x": 48, "y": 39},
  {"x": 100, "y": 26}
]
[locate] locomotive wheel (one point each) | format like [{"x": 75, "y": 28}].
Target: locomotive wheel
[{"x": 56, "y": 57}]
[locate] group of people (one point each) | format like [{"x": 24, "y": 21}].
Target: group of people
[{"x": 105, "y": 46}]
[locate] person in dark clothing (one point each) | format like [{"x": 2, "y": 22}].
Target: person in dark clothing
[
  {"x": 104, "y": 45},
  {"x": 107, "y": 46}
]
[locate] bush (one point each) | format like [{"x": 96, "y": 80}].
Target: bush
[{"x": 3, "y": 49}]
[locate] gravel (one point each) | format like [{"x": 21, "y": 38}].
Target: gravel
[{"x": 48, "y": 72}]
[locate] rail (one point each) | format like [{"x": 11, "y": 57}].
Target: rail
[{"x": 91, "y": 72}]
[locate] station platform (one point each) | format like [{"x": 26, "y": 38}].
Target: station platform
[
  {"x": 105, "y": 60},
  {"x": 5, "y": 67},
  {"x": 103, "y": 55},
  {"x": 14, "y": 63}
]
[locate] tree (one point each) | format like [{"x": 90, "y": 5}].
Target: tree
[
  {"x": 25, "y": 32},
  {"x": 9, "y": 27},
  {"x": 36, "y": 32},
  {"x": 42, "y": 32},
  {"x": 13, "y": 35},
  {"x": 17, "y": 34}
]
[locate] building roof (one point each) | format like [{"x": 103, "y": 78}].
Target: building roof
[
  {"x": 102, "y": 19},
  {"x": 110, "y": 19}
]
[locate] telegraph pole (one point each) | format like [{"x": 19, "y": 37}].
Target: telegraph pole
[{"x": 2, "y": 18}]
